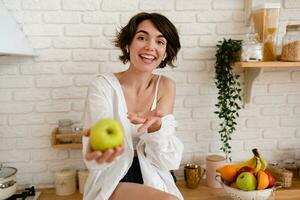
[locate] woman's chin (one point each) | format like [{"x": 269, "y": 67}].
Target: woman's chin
[{"x": 147, "y": 66}]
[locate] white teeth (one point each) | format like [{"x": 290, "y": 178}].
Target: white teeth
[{"x": 150, "y": 57}]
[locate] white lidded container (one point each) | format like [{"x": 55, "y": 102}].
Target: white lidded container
[
  {"x": 265, "y": 20},
  {"x": 82, "y": 176},
  {"x": 65, "y": 182},
  {"x": 213, "y": 162}
]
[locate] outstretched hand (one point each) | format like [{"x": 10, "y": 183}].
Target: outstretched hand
[
  {"x": 106, "y": 156},
  {"x": 150, "y": 121}
]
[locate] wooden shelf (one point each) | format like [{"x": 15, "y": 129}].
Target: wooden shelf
[
  {"x": 266, "y": 64},
  {"x": 57, "y": 144},
  {"x": 254, "y": 70}
]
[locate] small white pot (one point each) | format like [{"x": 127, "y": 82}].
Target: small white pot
[{"x": 8, "y": 183}]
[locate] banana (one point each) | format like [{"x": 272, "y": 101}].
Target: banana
[
  {"x": 248, "y": 163},
  {"x": 264, "y": 163},
  {"x": 257, "y": 166}
]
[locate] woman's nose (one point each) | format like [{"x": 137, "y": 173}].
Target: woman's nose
[{"x": 150, "y": 45}]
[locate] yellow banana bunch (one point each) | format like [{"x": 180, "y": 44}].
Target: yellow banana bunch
[
  {"x": 250, "y": 163},
  {"x": 257, "y": 162},
  {"x": 264, "y": 163}
]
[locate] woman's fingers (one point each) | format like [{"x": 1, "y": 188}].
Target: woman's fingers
[
  {"x": 120, "y": 151},
  {"x": 131, "y": 114},
  {"x": 135, "y": 118},
  {"x": 86, "y": 132},
  {"x": 117, "y": 152},
  {"x": 147, "y": 124},
  {"x": 106, "y": 154},
  {"x": 90, "y": 155},
  {"x": 150, "y": 119},
  {"x": 158, "y": 113},
  {"x": 94, "y": 155}
]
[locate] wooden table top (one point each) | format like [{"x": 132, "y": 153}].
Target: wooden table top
[
  {"x": 207, "y": 193},
  {"x": 202, "y": 192}
]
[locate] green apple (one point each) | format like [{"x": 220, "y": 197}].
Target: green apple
[
  {"x": 246, "y": 181},
  {"x": 105, "y": 134}
]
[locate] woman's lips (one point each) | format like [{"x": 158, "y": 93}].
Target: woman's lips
[{"x": 147, "y": 56}]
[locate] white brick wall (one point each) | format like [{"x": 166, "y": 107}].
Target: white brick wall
[
  {"x": 73, "y": 40},
  {"x": 291, "y": 4},
  {"x": 41, "y": 5}
]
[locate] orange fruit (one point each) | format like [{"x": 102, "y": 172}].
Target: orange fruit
[
  {"x": 262, "y": 180},
  {"x": 228, "y": 173}
]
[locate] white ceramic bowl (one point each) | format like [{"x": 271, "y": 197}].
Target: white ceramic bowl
[{"x": 238, "y": 194}]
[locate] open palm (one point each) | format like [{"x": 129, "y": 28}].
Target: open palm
[{"x": 150, "y": 120}]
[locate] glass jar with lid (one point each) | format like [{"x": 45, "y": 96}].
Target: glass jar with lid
[
  {"x": 291, "y": 165},
  {"x": 291, "y": 43},
  {"x": 65, "y": 127},
  {"x": 265, "y": 17},
  {"x": 251, "y": 49}
]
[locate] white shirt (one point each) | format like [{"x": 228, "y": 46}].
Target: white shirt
[{"x": 158, "y": 152}]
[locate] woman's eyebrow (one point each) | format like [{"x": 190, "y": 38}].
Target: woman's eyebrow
[{"x": 145, "y": 32}]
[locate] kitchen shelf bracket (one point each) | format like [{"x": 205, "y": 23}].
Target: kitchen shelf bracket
[
  {"x": 251, "y": 74},
  {"x": 254, "y": 70}
]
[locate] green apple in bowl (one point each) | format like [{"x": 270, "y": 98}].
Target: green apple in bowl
[
  {"x": 246, "y": 181},
  {"x": 105, "y": 134}
]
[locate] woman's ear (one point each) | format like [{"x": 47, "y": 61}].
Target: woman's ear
[
  {"x": 164, "y": 57},
  {"x": 127, "y": 49}
]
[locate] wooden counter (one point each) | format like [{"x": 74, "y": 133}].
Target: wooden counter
[
  {"x": 202, "y": 192},
  {"x": 207, "y": 193},
  {"x": 49, "y": 194}
]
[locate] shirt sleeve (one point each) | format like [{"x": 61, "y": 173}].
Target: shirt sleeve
[
  {"x": 98, "y": 105},
  {"x": 162, "y": 148}
]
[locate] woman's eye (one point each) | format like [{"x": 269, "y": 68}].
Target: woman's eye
[
  {"x": 142, "y": 38},
  {"x": 161, "y": 43}
]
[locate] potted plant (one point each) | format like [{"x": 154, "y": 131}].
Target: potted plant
[{"x": 229, "y": 89}]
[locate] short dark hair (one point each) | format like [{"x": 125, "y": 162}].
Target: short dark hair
[{"x": 163, "y": 24}]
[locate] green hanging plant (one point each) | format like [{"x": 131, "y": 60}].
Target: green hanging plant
[{"x": 229, "y": 89}]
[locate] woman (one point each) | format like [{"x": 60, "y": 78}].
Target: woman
[{"x": 143, "y": 103}]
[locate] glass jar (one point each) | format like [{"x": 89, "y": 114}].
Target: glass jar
[
  {"x": 274, "y": 163},
  {"x": 291, "y": 165},
  {"x": 291, "y": 43},
  {"x": 77, "y": 129},
  {"x": 65, "y": 127},
  {"x": 251, "y": 49}
]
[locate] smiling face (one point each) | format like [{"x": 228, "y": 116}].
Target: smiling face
[{"x": 147, "y": 48}]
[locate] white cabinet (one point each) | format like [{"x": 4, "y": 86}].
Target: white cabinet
[{"x": 12, "y": 39}]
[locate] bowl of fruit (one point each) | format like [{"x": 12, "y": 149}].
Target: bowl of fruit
[{"x": 248, "y": 180}]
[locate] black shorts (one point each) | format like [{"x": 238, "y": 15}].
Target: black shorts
[{"x": 134, "y": 174}]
